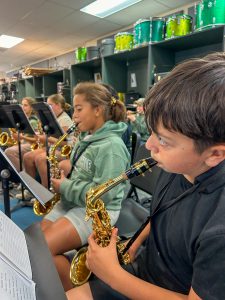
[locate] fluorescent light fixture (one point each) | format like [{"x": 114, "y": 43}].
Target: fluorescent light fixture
[
  {"x": 7, "y": 41},
  {"x": 104, "y": 8}
]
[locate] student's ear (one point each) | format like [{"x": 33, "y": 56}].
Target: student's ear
[
  {"x": 98, "y": 111},
  {"x": 216, "y": 155}
]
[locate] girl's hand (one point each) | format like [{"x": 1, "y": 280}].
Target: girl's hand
[
  {"x": 103, "y": 261},
  {"x": 41, "y": 138},
  {"x": 132, "y": 118},
  {"x": 57, "y": 182}
]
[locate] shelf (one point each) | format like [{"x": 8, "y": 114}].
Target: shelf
[
  {"x": 120, "y": 69},
  {"x": 202, "y": 38},
  {"x": 92, "y": 63},
  {"x": 136, "y": 53}
]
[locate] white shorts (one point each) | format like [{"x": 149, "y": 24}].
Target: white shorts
[{"x": 76, "y": 216}]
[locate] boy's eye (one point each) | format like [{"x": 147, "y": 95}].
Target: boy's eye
[{"x": 161, "y": 141}]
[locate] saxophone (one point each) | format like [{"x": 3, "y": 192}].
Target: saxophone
[
  {"x": 38, "y": 208},
  {"x": 37, "y": 145},
  {"x": 95, "y": 209},
  {"x": 67, "y": 149},
  {"x": 7, "y": 139}
]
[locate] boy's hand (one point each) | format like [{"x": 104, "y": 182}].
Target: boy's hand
[{"x": 103, "y": 261}]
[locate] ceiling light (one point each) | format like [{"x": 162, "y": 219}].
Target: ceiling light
[
  {"x": 7, "y": 41},
  {"x": 104, "y": 8}
]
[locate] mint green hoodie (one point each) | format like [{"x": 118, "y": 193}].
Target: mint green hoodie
[
  {"x": 140, "y": 126},
  {"x": 105, "y": 157}
]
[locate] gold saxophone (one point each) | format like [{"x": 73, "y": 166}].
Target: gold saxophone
[
  {"x": 7, "y": 139},
  {"x": 95, "y": 208},
  {"x": 37, "y": 145},
  {"x": 38, "y": 208},
  {"x": 66, "y": 149}
]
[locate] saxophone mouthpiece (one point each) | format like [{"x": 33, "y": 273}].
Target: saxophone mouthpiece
[{"x": 140, "y": 167}]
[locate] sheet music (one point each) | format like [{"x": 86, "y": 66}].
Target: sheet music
[
  {"x": 13, "y": 286},
  {"x": 13, "y": 246}
]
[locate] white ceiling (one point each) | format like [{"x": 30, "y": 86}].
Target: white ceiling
[{"x": 53, "y": 27}]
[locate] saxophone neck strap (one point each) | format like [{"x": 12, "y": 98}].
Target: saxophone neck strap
[{"x": 76, "y": 156}]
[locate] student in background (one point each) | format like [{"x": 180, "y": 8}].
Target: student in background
[
  {"x": 137, "y": 120},
  {"x": 26, "y": 139},
  {"x": 126, "y": 137},
  {"x": 35, "y": 161}
]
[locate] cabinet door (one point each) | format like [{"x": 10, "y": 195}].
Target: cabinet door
[
  {"x": 168, "y": 53},
  {"x": 127, "y": 71}
]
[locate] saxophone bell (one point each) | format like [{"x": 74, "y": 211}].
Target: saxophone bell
[
  {"x": 41, "y": 210},
  {"x": 6, "y": 139},
  {"x": 79, "y": 273}
]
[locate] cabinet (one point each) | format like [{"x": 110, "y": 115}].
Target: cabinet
[
  {"x": 117, "y": 69},
  {"x": 144, "y": 62},
  {"x": 85, "y": 71},
  {"x": 40, "y": 87},
  {"x": 166, "y": 54}
]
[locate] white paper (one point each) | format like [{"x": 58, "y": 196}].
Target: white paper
[
  {"x": 13, "y": 246},
  {"x": 133, "y": 81},
  {"x": 13, "y": 286}
]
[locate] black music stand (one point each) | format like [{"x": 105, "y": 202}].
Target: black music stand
[
  {"x": 9, "y": 173},
  {"x": 44, "y": 273},
  {"x": 4, "y": 120},
  {"x": 20, "y": 121},
  {"x": 50, "y": 127}
]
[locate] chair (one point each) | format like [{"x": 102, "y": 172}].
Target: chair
[
  {"x": 147, "y": 181},
  {"x": 133, "y": 213},
  {"x": 135, "y": 144}
]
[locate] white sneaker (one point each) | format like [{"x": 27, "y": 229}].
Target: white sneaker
[
  {"x": 32, "y": 200},
  {"x": 19, "y": 187},
  {"x": 27, "y": 195}
]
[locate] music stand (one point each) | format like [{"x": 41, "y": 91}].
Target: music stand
[
  {"x": 10, "y": 173},
  {"x": 18, "y": 118},
  {"x": 50, "y": 126},
  {"x": 4, "y": 120},
  {"x": 7, "y": 174},
  {"x": 44, "y": 273},
  {"x": 20, "y": 121},
  {"x": 48, "y": 119}
]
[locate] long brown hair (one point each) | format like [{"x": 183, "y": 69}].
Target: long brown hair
[
  {"x": 59, "y": 99},
  {"x": 98, "y": 95},
  {"x": 30, "y": 101}
]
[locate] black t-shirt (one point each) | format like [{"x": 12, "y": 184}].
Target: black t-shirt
[{"x": 186, "y": 246}]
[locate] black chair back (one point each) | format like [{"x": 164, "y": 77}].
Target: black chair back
[
  {"x": 135, "y": 144},
  {"x": 148, "y": 180},
  {"x": 133, "y": 214}
]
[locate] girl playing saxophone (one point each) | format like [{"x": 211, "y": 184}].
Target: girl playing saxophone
[{"x": 98, "y": 155}]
